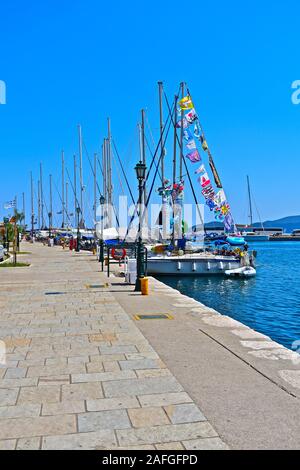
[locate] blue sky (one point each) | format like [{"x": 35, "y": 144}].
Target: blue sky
[{"x": 79, "y": 61}]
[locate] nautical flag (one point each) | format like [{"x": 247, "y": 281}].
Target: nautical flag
[
  {"x": 201, "y": 169},
  {"x": 204, "y": 180},
  {"x": 191, "y": 144},
  {"x": 228, "y": 222},
  {"x": 185, "y": 124},
  {"x": 210, "y": 204},
  {"x": 220, "y": 197},
  {"x": 194, "y": 156},
  {"x": 10, "y": 205},
  {"x": 197, "y": 131},
  {"x": 191, "y": 116},
  {"x": 186, "y": 103},
  {"x": 187, "y": 135},
  {"x": 208, "y": 192}
]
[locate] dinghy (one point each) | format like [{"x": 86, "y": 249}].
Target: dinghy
[{"x": 246, "y": 271}]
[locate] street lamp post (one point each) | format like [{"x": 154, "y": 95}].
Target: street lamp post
[
  {"x": 78, "y": 230},
  {"x": 50, "y": 223},
  {"x": 140, "y": 169},
  {"x": 101, "y": 252}
]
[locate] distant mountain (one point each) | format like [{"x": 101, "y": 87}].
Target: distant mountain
[{"x": 287, "y": 223}]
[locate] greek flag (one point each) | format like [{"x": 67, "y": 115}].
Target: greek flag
[{"x": 10, "y": 205}]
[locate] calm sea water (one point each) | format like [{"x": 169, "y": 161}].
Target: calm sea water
[{"x": 269, "y": 302}]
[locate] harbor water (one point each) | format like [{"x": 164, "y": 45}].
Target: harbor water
[{"x": 268, "y": 303}]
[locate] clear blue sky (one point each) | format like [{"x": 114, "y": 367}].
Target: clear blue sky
[{"x": 69, "y": 62}]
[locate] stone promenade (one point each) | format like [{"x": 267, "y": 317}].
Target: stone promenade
[{"x": 79, "y": 374}]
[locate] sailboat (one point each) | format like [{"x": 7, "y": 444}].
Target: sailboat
[
  {"x": 180, "y": 256},
  {"x": 251, "y": 235}
]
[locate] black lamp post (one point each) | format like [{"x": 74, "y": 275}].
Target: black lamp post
[
  {"x": 101, "y": 253},
  {"x": 50, "y": 223},
  {"x": 78, "y": 230},
  {"x": 140, "y": 169}
]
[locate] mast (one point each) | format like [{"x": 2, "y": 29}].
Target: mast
[
  {"x": 161, "y": 126},
  {"x": 250, "y": 202},
  {"x": 42, "y": 197},
  {"x": 104, "y": 170},
  {"x": 39, "y": 204},
  {"x": 23, "y": 210},
  {"x": 32, "y": 206},
  {"x": 50, "y": 205},
  {"x": 75, "y": 191},
  {"x": 81, "y": 175},
  {"x": 175, "y": 140},
  {"x": 181, "y": 134},
  {"x": 63, "y": 187},
  {"x": 109, "y": 179},
  {"x": 67, "y": 209},
  {"x": 95, "y": 187}
]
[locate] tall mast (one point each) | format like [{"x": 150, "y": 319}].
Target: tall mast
[
  {"x": 161, "y": 126},
  {"x": 175, "y": 140},
  {"x": 23, "y": 209},
  {"x": 63, "y": 187},
  {"x": 181, "y": 134},
  {"x": 81, "y": 175},
  {"x": 95, "y": 187},
  {"x": 104, "y": 166},
  {"x": 250, "y": 202},
  {"x": 67, "y": 204},
  {"x": 39, "y": 204},
  {"x": 50, "y": 204},
  {"x": 42, "y": 196},
  {"x": 109, "y": 182},
  {"x": 75, "y": 191},
  {"x": 32, "y": 205}
]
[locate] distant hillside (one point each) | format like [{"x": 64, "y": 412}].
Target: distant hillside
[{"x": 288, "y": 224}]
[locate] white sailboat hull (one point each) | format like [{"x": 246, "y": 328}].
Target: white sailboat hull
[{"x": 191, "y": 265}]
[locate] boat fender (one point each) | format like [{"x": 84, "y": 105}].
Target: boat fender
[
  {"x": 208, "y": 265},
  {"x": 194, "y": 268},
  {"x": 115, "y": 254},
  {"x": 178, "y": 266},
  {"x": 221, "y": 265}
]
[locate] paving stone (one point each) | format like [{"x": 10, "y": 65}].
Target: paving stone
[
  {"x": 102, "y": 439},
  {"x": 41, "y": 394},
  {"x": 139, "y": 364},
  {"x": 170, "y": 446},
  {"x": 112, "y": 403},
  {"x": 8, "y": 396},
  {"x": 163, "y": 434},
  {"x": 186, "y": 413},
  {"x": 56, "y": 380},
  {"x": 8, "y": 444},
  {"x": 30, "y": 443},
  {"x": 65, "y": 407},
  {"x": 112, "y": 419},
  {"x": 142, "y": 417},
  {"x": 18, "y": 411},
  {"x": 164, "y": 399},
  {"x": 141, "y": 386},
  {"x": 212, "y": 443},
  {"x": 41, "y": 426},
  {"x": 82, "y": 391},
  {"x": 16, "y": 383},
  {"x": 103, "y": 376},
  {"x": 153, "y": 373},
  {"x": 117, "y": 349}
]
